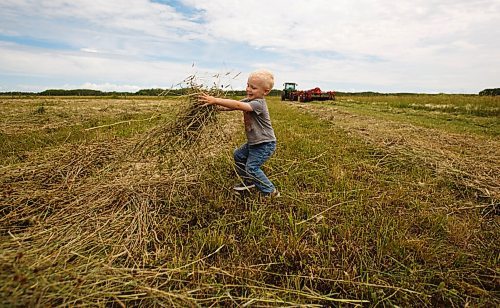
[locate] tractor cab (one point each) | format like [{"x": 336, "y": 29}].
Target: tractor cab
[
  {"x": 290, "y": 86},
  {"x": 288, "y": 90}
]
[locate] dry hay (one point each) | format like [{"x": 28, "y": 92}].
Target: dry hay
[
  {"x": 187, "y": 127},
  {"x": 19, "y": 116},
  {"x": 94, "y": 223},
  {"x": 470, "y": 161}
]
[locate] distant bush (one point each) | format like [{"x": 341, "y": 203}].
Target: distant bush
[
  {"x": 150, "y": 92},
  {"x": 18, "y": 94},
  {"x": 490, "y": 92},
  {"x": 76, "y": 92},
  {"x": 371, "y": 93}
]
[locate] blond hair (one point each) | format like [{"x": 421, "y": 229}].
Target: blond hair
[{"x": 264, "y": 75}]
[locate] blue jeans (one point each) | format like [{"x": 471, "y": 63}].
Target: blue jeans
[{"x": 249, "y": 159}]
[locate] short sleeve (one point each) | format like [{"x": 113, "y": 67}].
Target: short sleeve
[{"x": 257, "y": 106}]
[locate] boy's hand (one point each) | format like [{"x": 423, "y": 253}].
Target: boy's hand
[{"x": 206, "y": 99}]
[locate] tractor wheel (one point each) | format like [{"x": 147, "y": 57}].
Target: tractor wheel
[{"x": 282, "y": 97}]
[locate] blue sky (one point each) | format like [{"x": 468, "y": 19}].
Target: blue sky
[{"x": 431, "y": 46}]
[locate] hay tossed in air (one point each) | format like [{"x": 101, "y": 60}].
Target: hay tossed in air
[{"x": 188, "y": 125}]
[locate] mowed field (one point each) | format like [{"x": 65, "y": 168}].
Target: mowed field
[{"x": 386, "y": 200}]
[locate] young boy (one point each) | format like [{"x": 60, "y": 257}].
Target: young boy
[{"x": 261, "y": 141}]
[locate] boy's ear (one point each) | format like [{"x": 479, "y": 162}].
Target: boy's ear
[{"x": 267, "y": 91}]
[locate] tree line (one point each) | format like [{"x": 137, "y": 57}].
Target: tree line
[
  {"x": 490, "y": 92},
  {"x": 90, "y": 92},
  {"x": 178, "y": 92}
]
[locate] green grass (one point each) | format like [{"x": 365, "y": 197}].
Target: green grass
[
  {"x": 455, "y": 104},
  {"x": 355, "y": 224},
  {"x": 456, "y": 113}
]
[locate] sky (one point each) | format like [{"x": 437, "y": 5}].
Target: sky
[{"x": 419, "y": 46}]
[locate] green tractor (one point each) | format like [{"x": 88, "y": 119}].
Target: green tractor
[{"x": 289, "y": 92}]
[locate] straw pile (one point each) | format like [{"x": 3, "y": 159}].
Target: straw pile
[{"x": 101, "y": 222}]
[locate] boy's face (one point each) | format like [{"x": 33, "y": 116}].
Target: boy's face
[{"x": 256, "y": 88}]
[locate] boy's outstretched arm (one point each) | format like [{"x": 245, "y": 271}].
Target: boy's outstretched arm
[{"x": 224, "y": 102}]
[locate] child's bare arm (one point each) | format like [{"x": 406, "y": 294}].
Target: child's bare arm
[
  {"x": 230, "y": 104},
  {"x": 222, "y": 108}
]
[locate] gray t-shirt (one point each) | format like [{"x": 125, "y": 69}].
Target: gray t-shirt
[{"x": 258, "y": 126}]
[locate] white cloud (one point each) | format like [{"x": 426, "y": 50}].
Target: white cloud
[
  {"x": 417, "y": 45},
  {"x": 384, "y": 29},
  {"x": 131, "y": 27},
  {"x": 101, "y": 72},
  {"x": 137, "y": 15},
  {"x": 91, "y": 50},
  {"x": 106, "y": 87},
  {"x": 89, "y": 67},
  {"x": 426, "y": 45}
]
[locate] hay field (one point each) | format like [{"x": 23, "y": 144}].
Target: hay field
[{"x": 385, "y": 201}]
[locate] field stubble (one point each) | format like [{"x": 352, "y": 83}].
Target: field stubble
[{"x": 128, "y": 219}]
